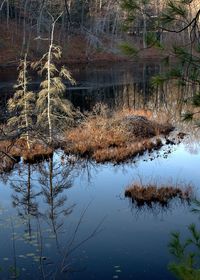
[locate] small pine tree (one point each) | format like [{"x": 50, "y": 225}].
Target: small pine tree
[
  {"x": 53, "y": 111},
  {"x": 22, "y": 104}
]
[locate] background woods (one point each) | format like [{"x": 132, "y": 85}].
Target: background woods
[
  {"x": 94, "y": 95},
  {"x": 94, "y": 27}
]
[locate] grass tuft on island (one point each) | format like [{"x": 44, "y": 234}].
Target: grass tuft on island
[
  {"x": 152, "y": 194},
  {"x": 116, "y": 137}
]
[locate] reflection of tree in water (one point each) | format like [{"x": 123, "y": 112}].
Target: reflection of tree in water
[
  {"x": 47, "y": 224},
  {"x": 116, "y": 87},
  {"x": 54, "y": 179},
  {"x": 24, "y": 198},
  {"x": 130, "y": 86},
  {"x": 192, "y": 141}
]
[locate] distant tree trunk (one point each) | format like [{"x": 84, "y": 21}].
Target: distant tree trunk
[
  {"x": 24, "y": 27},
  {"x": 7, "y": 7},
  {"x": 144, "y": 27},
  {"x": 39, "y": 23}
]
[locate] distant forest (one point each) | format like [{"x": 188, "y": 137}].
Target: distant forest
[{"x": 91, "y": 26}]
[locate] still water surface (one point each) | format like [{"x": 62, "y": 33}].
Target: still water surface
[{"x": 68, "y": 218}]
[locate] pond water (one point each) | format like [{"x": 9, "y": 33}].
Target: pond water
[{"x": 67, "y": 218}]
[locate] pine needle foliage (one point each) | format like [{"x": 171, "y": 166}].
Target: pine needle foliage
[
  {"x": 152, "y": 40},
  {"x": 131, "y": 7},
  {"x": 128, "y": 49},
  {"x": 54, "y": 113},
  {"x": 186, "y": 253},
  {"x": 21, "y": 106},
  {"x": 175, "y": 10}
]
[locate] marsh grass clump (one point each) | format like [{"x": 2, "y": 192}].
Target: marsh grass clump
[
  {"x": 152, "y": 194},
  {"x": 119, "y": 154},
  {"x": 115, "y": 137},
  {"x": 16, "y": 149}
]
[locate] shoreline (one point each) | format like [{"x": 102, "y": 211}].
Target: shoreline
[{"x": 102, "y": 58}]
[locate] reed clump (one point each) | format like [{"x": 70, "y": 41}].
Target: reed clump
[
  {"x": 152, "y": 194},
  {"x": 115, "y": 137}
]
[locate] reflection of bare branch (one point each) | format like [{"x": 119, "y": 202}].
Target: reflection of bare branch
[
  {"x": 54, "y": 181},
  {"x": 70, "y": 248},
  {"x": 54, "y": 178},
  {"x": 95, "y": 231},
  {"x": 77, "y": 228},
  {"x": 25, "y": 196},
  {"x": 24, "y": 199}
]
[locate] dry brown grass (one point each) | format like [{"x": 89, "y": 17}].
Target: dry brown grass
[
  {"x": 18, "y": 149},
  {"x": 151, "y": 193},
  {"x": 116, "y": 138},
  {"x": 126, "y": 112},
  {"x": 7, "y": 163},
  {"x": 119, "y": 154},
  {"x": 38, "y": 152}
]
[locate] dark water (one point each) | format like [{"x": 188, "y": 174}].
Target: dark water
[
  {"x": 115, "y": 85},
  {"x": 69, "y": 219}
]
